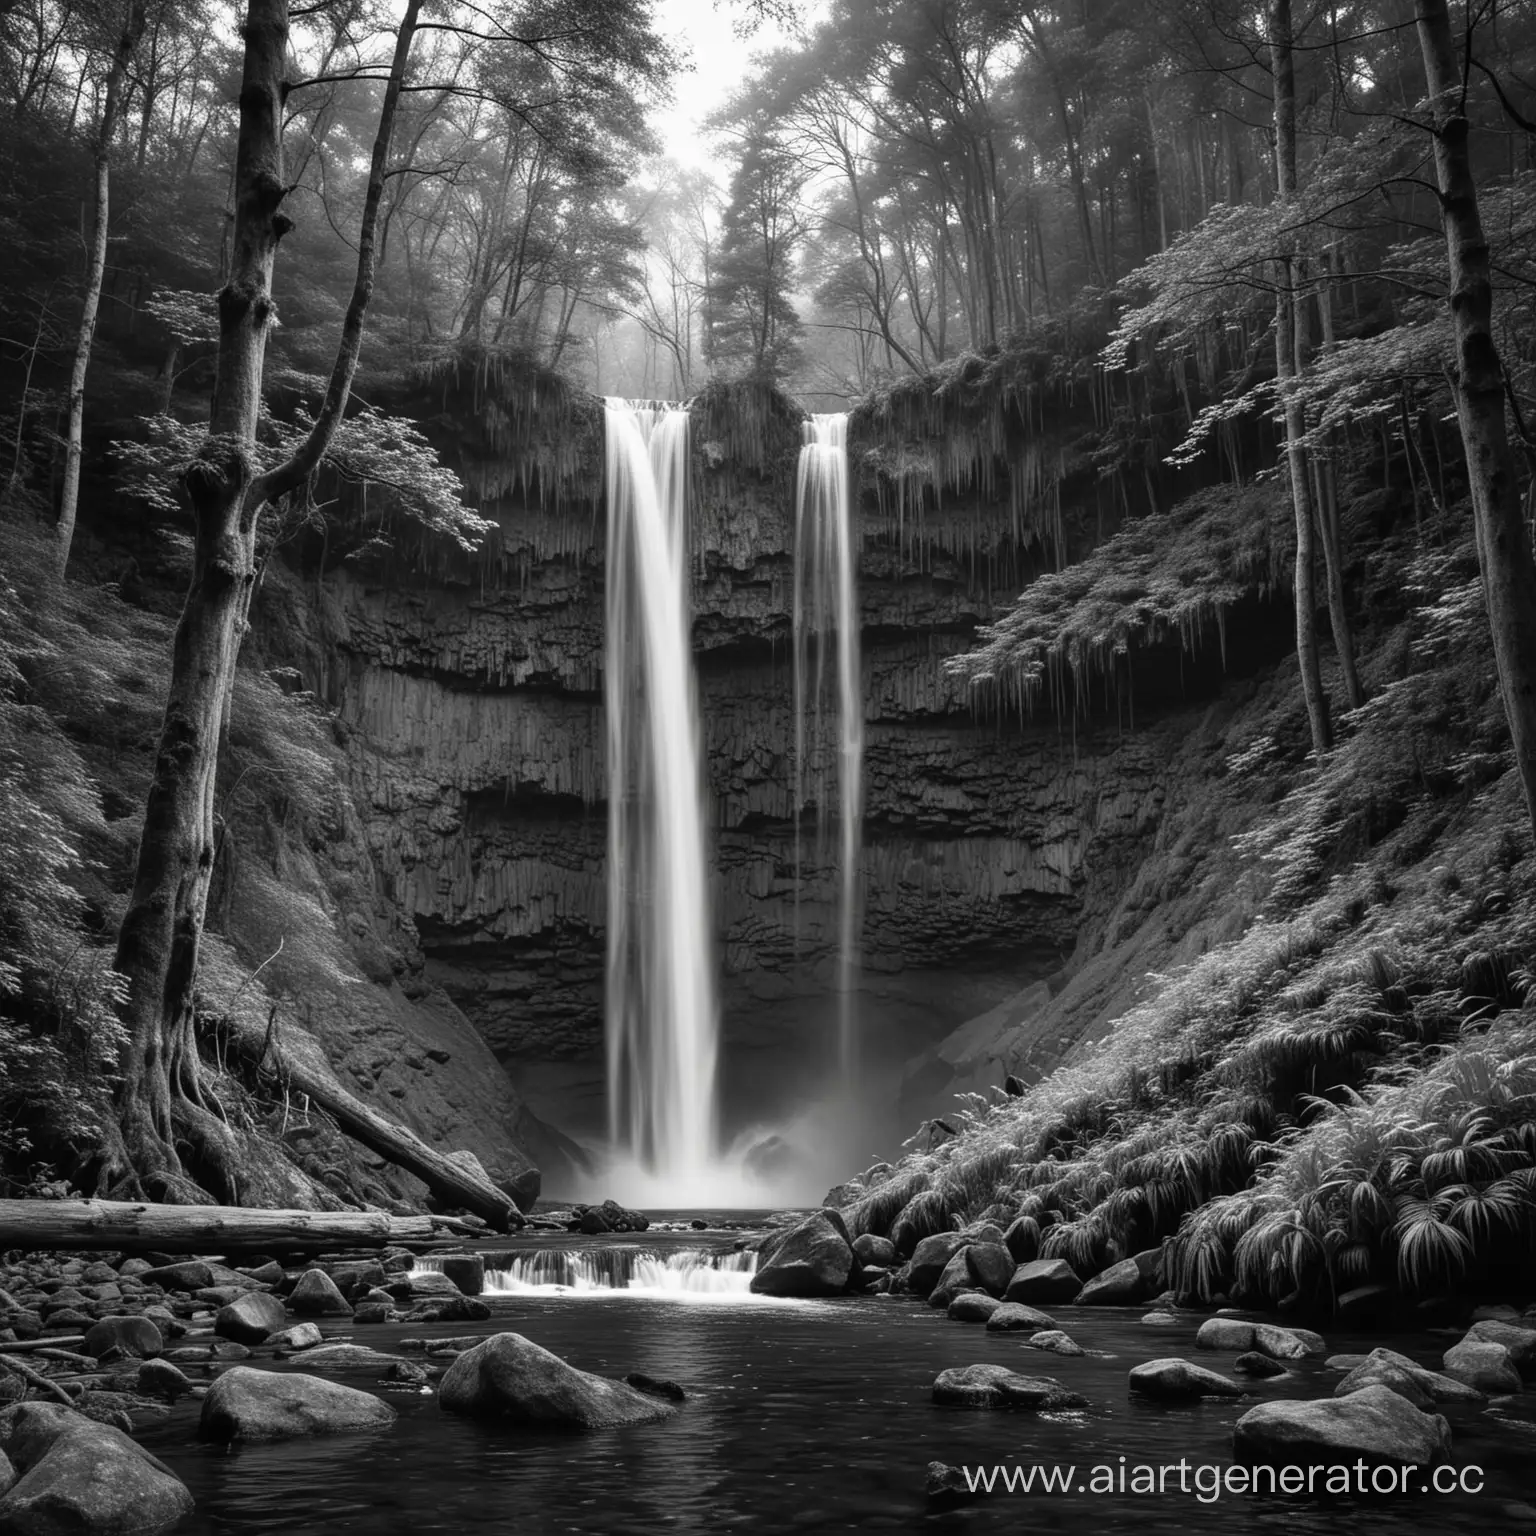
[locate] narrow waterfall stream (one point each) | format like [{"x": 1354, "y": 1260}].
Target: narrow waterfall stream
[
  {"x": 829, "y": 705},
  {"x": 660, "y": 1005}
]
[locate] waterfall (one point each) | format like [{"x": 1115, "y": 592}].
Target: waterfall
[
  {"x": 826, "y": 606},
  {"x": 660, "y": 1006},
  {"x": 690, "y": 1271}
]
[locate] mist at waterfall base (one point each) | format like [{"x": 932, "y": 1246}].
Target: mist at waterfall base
[{"x": 661, "y": 1004}]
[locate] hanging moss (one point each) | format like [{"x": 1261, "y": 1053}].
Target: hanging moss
[{"x": 746, "y": 424}]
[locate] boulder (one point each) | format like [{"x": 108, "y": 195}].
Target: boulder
[
  {"x": 1225, "y": 1333},
  {"x": 449, "y": 1309},
  {"x": 995, "y": 1386},
  {"x": 316, "y": 1295},
  {"x": 814, "y": 1258},
  {"x": 247, "y": 1404},
  {"x": 1055, "y": 1342},
  {"x": 251, "y": 1318},
  {"x": 1178, "y": 1381},
  {"x": 956, "y": 1278},
  {"x": 466, "y": 1271},
  {"x": 1288, "y": 1343},
  {"x": 193, "y": 1275},
  {"x": 1434, "y": 1386},
  {"x": 1483, "y": 1365},
  {"x": 1255, "y": 1364},
  {"x": 1384, "y": 1373},
  {"x": 1374, "y": 1425},
  {"x": 1023, "y": 1239},
  {"x": 123, "y": 1338},
  {"x": 930, "y": 1259},
  {"x": 870, "y": 1250},
  {"x": 371, "y": 1312},
  {"x": 296, "y": 1337},
  {"x": 509, "y": 1377},
  {"x": 422, "y": 1285},
  {"x": 8, "y": 1474},
  {"x": 973, "y": 1307},
  {"x": 1014, "y": 1317},
  {"x": 348, "y": 1357},
  {"x": 73, "y": 1474},
  {"x": 1520, "y": 1342},
  {"x": 1121, "y": 1285},
  {"x": 1043, "y": 1281},
  {"x": 991, "y": 1267},
  {"x": 159, "y": 1378}
]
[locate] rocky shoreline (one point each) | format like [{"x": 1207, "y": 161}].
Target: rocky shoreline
[{"x": 96, "y": 1348}]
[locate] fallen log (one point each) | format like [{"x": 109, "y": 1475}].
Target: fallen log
[
  {"x": 125, "y": 1226},
  {"x": 450, "y": 1181}
]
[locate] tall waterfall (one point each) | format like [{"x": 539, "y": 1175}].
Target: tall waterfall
[
  {"x": 829, "y": 712},
  {"x": 661, "y": 1018}
]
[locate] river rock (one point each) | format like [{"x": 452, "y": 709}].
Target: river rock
[
  {"x": 159, "y": 1378},
  {"x": 1023, "y": 1239},
  {"x": 247, "y": 1404},
  {"x": 657, "y": 1386},
  {"x": 251, "y": 1318},
  {"x": 1014, "y": 1317},
  {"x": 1175, "y": 1380},
  {"x": 945, "y": 1484},
  {"x": 1121, "y": 1285},
  {"x": 316, "y": 1295},
  {"x": 1434, "y": 1386},
  {"x": 449, "y": 1309},
  {"x": 423, "y": 1285},
  {"x": 1520, "y": 1342},
  {"x": 1044, "y": 1281},
  {"x": 995, "y": 1386},
  {"x": 930, "y": 1259},
  {"x": 1288, "y": 1343},
  {"x": 1384, "y": 1373},
  {"x": 370, "y": 1312},
  {"x": 1255, "y": 1364},
  {"x": 76, "y": 1475},
  {"x": 814, "y": 1258},
  {"x": 123, "y": 1338},
  {"x": 1375, "y": 1425},
  {"x": 1055, "y": 1342},
  {"x": 466, "y": 1270},
  {"x": 348, "y": 1357},
  {"x": 973, "y": 1307},
  {"x": 297, "y": 1336},
  {"x": 870, "y": 1250},
  {"x": 1225, "y": 1333},
  {"x": 193, "y": 1275},
  {"x": 956, "y": 1278},
  {"x": 1483, "y": 1365},
  {"x": 509, "y": 1377},
  {"x": 8, "y": 1474},
  {"x": 991, "y": 1267}
]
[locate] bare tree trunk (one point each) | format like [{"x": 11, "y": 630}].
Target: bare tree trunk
[
  {"x": 95, "y": 275},
  {"x": 1286, "y": 331},
  {"x": 160, "y": 1097},
  {"x": 1503, "y": 547}
]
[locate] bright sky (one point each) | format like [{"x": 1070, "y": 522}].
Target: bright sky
[{"x": 720, "y": 62}]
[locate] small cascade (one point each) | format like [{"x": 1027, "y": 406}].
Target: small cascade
[
  {"x": 625, "y": 1267},
  {"x": 829, "y": 705},
  {"x": 660, "y": 1006}
]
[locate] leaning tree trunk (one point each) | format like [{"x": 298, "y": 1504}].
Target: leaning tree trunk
[
  {"x": 1503, "y": 546},
  {"x": 1286, "y": 332},
  {"x": 95, "y": 276},
  {"x": 160, "y": 1099}
]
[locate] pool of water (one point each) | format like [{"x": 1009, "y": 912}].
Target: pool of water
[{"x": 802, "y": 1416}]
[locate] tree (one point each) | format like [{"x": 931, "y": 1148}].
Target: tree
[
  {"x": 1288, "y": 331},
  {"x": 753, "y": 325},
  {"x": 1480, "y": 387},
  {"x": 130, "y": 28}
]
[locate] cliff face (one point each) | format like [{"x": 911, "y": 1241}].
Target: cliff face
[{"x": 471, "y": 700}]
